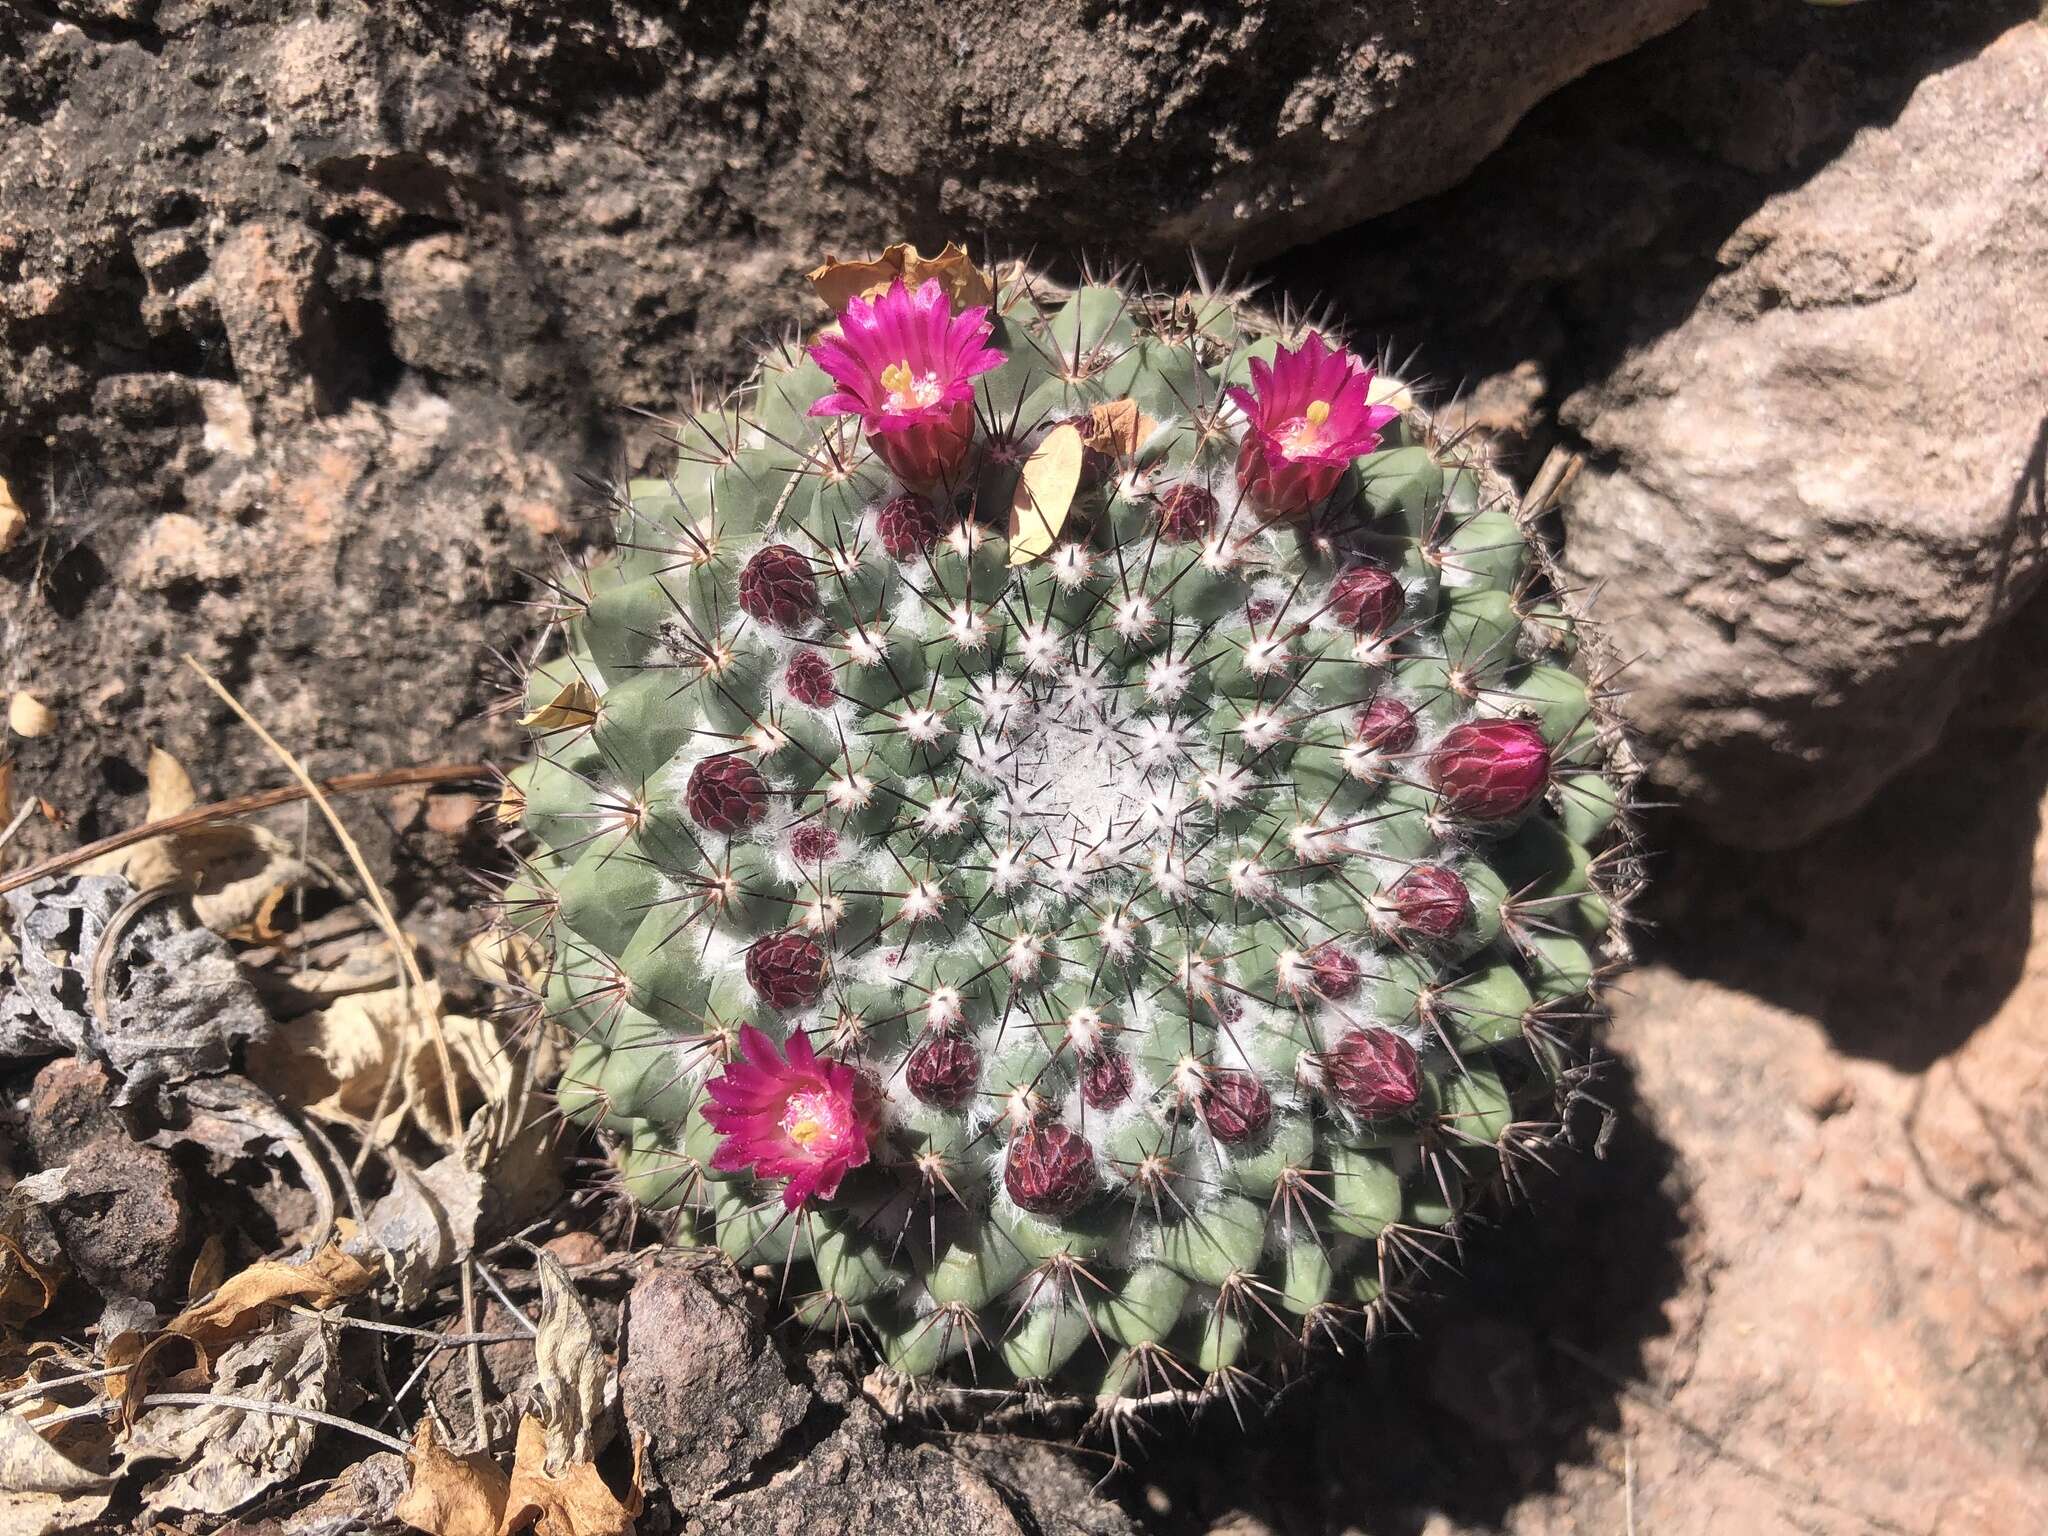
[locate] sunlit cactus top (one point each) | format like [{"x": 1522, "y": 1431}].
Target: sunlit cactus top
[{"x": 1072, "y": 824}]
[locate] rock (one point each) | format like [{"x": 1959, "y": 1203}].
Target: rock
[
  {"x": 271, "y": 285},
  {"x": 122, "y": 1219},
  {"x": 70, "y": 1104},
  {"x": 700, "y": 1378},
  {"x": 1811, "y": 500}
]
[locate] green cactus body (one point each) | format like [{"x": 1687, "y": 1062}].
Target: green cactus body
[{"x": 1120, "y": 841}]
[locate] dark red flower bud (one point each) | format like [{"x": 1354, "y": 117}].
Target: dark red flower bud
[
  {"x": 787, "y": 970},
  {"x": 1260, "y": 609},
  {"x": 1374, "y": 1072},
  {"x": 943, "y": 1070},
  {"x": 809, "y": 679},
  {"x": 778, "y": 587},
  {"x": 1430, "y": 901},
  {"x": 1106, "y": 1079},
  {"x": 1490, "y": 770},
  {"x": 1187, "y": 513},
  {"x": 1367, "y": 599},
  {"x": 725, "y": 793},
  {"x": 1050, "y": 1170},
  {"x": 813, "y": 843},
  {"x": 909, "y": 526},
  {"x": 1336, "y": 973},
  {"x": 1387, "y": 725},
  {"x": 1236, "y": 1106}
]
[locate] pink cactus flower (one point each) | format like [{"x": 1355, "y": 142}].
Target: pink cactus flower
[
  {"x": 1306, "y": 419},
  {"x": 802, "y": 1119},
  {"x": 905, "y": 365}
]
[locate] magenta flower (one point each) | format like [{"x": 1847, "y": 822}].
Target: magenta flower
[
  {"x": 802, "y": 1119},
  {"x": 1307, "y": 419},
  {"x": 905, "y": 365}
]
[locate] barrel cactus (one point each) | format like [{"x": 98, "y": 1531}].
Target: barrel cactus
[{"x": 1072, "y": 825}]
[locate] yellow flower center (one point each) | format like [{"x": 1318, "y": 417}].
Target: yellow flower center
[
  {"x": 908, "y": 392},
  {"x": 804, "y": 1132},
  {"x": 1304, "y": 434}
]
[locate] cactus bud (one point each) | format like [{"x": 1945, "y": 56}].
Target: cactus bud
[
  {"x": 1367, "y": 599},
  {"x": 813, "y": 843},
  {"x": 1336, "y": 973},
  {"x": 1187, "y": 513},
  {"x": 725, "y": 793},
  {"x": 1235, "y": 1106},
  {"x": 1050, "y": 1170},
  {"x": 1373, "y": 1071},
  {"x": 1106, "y": 1078},
  {"x": 808, "y": 677},
  {"x": 1430, "y": 901},
  {"x": 778, "y": 587},
  {"x": 943, "y": 1070},
  {"x": 1490, "y": 770},
  {"x": 909, "y": 526},
  {"x": 786, "y": 970},
  {"x": 1387, "y": 725}
]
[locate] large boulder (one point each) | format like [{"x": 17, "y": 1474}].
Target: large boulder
[{"x": 1811, "y": 499}]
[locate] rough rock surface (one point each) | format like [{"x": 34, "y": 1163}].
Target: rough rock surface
[
  {"x": 1780, "y": 276},
  {"x": 1809, "y": 502},
  {"x": 742, "y": 1441}
]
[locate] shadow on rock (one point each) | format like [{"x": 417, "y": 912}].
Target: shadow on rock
[
  {"x": 1511, "y": 1369},
  {"x": 1903, "y": 929}
]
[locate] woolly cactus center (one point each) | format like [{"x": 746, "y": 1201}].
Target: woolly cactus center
[{"x": 1073, "y": 776}]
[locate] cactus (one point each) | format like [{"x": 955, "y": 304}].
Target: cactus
[{"x": 1096, "y": 928}]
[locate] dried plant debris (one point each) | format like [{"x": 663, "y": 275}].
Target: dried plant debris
[{"x": 124, "y": 977}]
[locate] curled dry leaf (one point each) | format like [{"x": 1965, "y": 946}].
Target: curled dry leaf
[
  {"x": 574, "y": 1502},
  {"x": 26, "y": 1287},
  {"x": 1117, "y": 427},
  {"x": 225, "y": 1456},
  {"x": 452, "y": 1495},
  {"x": 1045, "y": 494},
  {"x": 43, "y": 1491},
  {"x": 247, "y": 1301},
  {"x": 426, "y": 1223},
  {"x": 575, "y": 1378},
  {"x": 838, "y": 282},
  {"x": 574, "y": 708},
  {"x": 337, "y": 1062},
  {"x": 237, "y": 873},
  {"x": 28, "y": 715}
]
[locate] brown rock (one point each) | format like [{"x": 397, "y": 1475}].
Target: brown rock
[
  {"x": 122, "y": 1219},
  {"x": 271, "y": 286},
  {"x": 1812, "y": 500},
  {"x": 701, "y": 1379},
  {"x": 71, "y": 1104}
]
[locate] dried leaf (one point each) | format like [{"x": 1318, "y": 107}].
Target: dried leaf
[
  {"x": 1385, "y": 389},
  {"x": 247, "y": 1301},
  {"x": 1045, "y": 493},
  {"x": 6, "y": 792},
  {"x": 511, "y": 807},
  {"x": 26, "y": 1288},
  {"x": 28, "y": 715},
  {"x": 209, "y": 1269},
  {"x": 43, "y": 1491},
  {"x": 230, "y": 1455},
  {"x": 426, "y": 1223},
  {"x": 575, "y": 1377},
  {"x": 837, "y": 282},
  {"x": 13, "y": 521},
  {"x": 173, "y": 1004},
  {"x": 452, "y": 1495},
  {"x": 570, "y": 710},
  {"x": 1117, "y": 427},
  {"x": 234, "y": 871},
  {"x": 573, "y": 1503},
  {"x": 335, "y": 1062}
]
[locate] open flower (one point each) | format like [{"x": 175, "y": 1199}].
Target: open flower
[
  {"x": 905, "y": 365},
  {"x": 1306, "y": 419},
  {"x": 800, "y": 1118}
]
